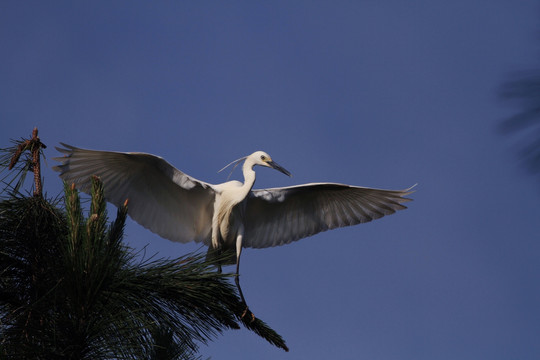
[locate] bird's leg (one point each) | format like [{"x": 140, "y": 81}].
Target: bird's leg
[
  {"x": 237, "y": 277},
  {"x": 237, "y": 281},
  {"x": 219, "y": 262}
]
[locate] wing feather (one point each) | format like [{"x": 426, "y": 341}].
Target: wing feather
[
  {"x": 163, "y": 199},
  {"x": 282, "y": 215}
]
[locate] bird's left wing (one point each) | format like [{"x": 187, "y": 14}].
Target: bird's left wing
[
  {"x": 279, "y": 216},
  {"x": 163, "y": 199}
]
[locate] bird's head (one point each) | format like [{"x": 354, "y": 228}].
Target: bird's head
[{"x": 263, "y": 159}]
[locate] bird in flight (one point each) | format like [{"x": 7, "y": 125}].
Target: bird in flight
[{"x": 226, "y": 217}]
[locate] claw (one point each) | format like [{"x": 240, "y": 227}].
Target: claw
[{"x": 246, "y": 311}]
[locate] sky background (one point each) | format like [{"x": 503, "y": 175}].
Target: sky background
[{"x": 373, "y": 93}]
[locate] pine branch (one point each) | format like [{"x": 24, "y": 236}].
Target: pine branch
[
  {"x": 34, "y": 146},
  {"x": 70, "y": 288},
  {"x": 260, "y": 328}
]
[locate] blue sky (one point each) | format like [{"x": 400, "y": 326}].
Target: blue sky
[{"x": 370, "y": 93}]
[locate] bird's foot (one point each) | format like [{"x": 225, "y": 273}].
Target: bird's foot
[{"x": 248, "y": 312}]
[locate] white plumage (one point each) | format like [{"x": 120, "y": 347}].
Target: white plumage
[{"x": 227, "y": 216}]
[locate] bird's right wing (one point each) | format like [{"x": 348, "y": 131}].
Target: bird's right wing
[
  {"x": 279, "y": 216},
  {"x": 161, "y": 198}
]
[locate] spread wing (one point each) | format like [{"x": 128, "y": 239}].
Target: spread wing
[
  {"x": 279, "y": 216},
  {"x": 161, "y": 198}
]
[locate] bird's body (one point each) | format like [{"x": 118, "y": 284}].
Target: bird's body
[
  {"x": 229, "y": 210},
  {"x": 227, "y": 216}
]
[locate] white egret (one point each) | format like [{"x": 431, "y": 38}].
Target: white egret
[{"x": 228, "y": 216}]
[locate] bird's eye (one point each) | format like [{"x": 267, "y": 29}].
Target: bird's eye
[{"x": 263, "y": 158}]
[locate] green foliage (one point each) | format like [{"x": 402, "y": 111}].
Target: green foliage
[
  {"x": 31, "y": 150},
  {"x": 15, "y": 178},
  {"x": 70, "y": 288},
  {"x": 29, "y": 274}
]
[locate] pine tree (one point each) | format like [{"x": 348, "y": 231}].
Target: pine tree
[{"x": 71, "y": 289}]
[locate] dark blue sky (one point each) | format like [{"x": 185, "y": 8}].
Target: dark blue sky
[{"x": 370, "y": 93}]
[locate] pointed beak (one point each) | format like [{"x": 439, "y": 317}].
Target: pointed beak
[{"x": 276, "y": 166}]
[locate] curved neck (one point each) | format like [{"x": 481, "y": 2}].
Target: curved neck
[{"x": 249, "y": 175}]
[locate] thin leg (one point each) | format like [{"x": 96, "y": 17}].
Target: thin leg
[
  {"x": 238, "y": 253},
  {"x": 237, "y": 278},
  {"x": 237, "y": 281},
  {"x": 219, "y": 261}
]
